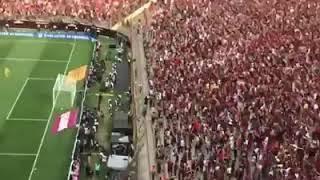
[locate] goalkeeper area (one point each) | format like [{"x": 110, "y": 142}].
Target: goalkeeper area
[
  {"x": 64, "y": 92},
  {"x": 30, "y": 89}
]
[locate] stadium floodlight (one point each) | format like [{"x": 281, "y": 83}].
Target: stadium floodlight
[{"x": 64, "y": 92}]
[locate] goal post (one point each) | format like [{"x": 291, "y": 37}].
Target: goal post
[{"x": 64, "y": 92}]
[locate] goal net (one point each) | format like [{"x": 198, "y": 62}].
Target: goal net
[{"x": 64, "y": 92}]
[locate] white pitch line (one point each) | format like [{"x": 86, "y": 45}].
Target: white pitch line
[
  {"x": 15, "y": 102},
  {"x": 27, "y": 119},
  {"x": 17, "y": 154},
  {"x": 50, "y": 116},
  {"x": 41, "y": 79},
  {"x": 32, "y": 60},
  {"x": 70, "y": 57}
]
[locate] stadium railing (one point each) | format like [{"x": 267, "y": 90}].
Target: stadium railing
[{"x": 62, "y": 30}]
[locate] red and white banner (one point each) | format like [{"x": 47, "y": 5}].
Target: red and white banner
[{"x": 65, "y": 120}]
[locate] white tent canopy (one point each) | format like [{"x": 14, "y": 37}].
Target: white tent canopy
[
  {"x": 119, "y": 163},
  {"x": 124, "y": 139}
]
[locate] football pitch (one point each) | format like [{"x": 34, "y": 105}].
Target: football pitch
[{"x": 28, "y": 69}]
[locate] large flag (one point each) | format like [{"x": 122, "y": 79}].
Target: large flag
[
  {"x": 78, "y": 73},
  {"x": 65, "y": 120}
]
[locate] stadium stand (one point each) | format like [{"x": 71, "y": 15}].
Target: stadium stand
[
  {"x": 234, "y": 83},
  {"x": 235, "y": 86},
  {"x": 108, "y": 11}
]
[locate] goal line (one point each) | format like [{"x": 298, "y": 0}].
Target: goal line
[
  {"x": 27, "y": 119},
  {"x": 50, "y": 116}
]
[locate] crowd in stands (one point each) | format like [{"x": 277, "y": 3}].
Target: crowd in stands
[
  {"x": 110, "y": 11},
  {"x": 236, "y": 87}
]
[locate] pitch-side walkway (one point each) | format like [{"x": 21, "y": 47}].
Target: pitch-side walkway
[{"x": 145, "y": 157}]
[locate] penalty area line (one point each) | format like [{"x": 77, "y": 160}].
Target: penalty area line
[
  {"x": 15, "y": 102},
  {"x": 21, "y": 90},
  {"x": 27, "y": 119}
]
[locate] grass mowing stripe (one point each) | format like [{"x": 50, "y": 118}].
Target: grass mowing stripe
[
  {"x": 32, "y": 60},
  {"x": 50, "y": 116},
  {"x": 28, "y": 119},
  {"x": 15, "y": 102},
  {"x": 16, "y": 154}
]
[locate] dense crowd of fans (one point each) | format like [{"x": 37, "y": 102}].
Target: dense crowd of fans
[
  {"x": 237, "y": 89},
  {"x": 110, "y": 11}
]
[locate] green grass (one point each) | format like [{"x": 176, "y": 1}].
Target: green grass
[
  {"x": 107, "y": 53},
  {"x": 17, "y": 169},
  {"x": 42, "y": 89},
  {"x": 26, "y": 107},
  {"x": 12, "y": 140}
]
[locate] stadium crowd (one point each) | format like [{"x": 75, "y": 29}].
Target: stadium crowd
[
  {"x": 236, "y": 87},
  {"x": 109, "y": 11}
]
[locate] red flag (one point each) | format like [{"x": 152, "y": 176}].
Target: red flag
[{"x": 65, "y": 120}]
